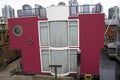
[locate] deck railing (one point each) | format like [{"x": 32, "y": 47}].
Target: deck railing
[
  {"x": 85, "y": 9},
  {"x": 73, "y": 10},
  {"x": 40, "y": 12}
]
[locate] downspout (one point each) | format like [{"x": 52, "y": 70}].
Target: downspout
[{"x": 78, "y": 64}]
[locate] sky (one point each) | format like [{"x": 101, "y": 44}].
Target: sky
[{"x": 17, "y": 4}]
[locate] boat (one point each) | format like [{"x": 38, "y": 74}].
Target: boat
[{"x": 59, "y": 40}]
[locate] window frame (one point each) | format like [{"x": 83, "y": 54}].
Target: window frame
[
  {"x": 67, "y": 32},
  {"x": 20, "y": 28},
  {"x": 60, "y": 48},
  {"x": 50, "y": 58},
  {"x": 78, "y": 32},
  {"x": 40, "y": 36}
]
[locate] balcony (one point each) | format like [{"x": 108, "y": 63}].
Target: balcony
[
  {"x": 85, "y": 9},
  {"x": 40, "y": 12},
  {"x": 73, "y": 11}
]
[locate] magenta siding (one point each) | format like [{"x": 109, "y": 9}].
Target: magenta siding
[
  {"x": 30, "y": 53},
  {"x": 91, "y": 41}
]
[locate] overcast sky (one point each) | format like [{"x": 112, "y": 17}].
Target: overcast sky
[{"x": 17, "y": 4}]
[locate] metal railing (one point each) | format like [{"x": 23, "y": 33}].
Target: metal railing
[
  {"x": 40, "y": 12},
  {"x": 85, "y": 9},
  {"x": 73, "y": 11}
]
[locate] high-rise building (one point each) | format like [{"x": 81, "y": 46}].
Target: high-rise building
[
  {"x": 73, "y": 3},
  {"x": 113, "y": 12},
  {"x": 8, "y": 12}
]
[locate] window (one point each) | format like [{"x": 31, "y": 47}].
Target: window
[
  {"x": 44, "y": 34},
  {"x": 55, "y": 39},
  {"x": 58, "y": 34},
  {"x": 60, "y": 57},
  {"x": 73, "y": 60},
  {"x": 17, "y": 30},
  {"x": 73, "y": 33},
  {"x": 45, "y": 59}
]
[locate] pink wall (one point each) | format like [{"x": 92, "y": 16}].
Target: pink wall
[
  {"x": 91, "y": 41},
  {"x": 30, "y": 53}
]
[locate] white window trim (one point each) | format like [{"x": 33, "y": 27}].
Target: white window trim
[
  {"x": 68, "y": 32},
  {"x": 42, "y": 61},
  {"x": 39, "y": 33},
  {"x": 54, "y": 48},
  {"x": 69, "y": 60},
  {"x": 78, "y": 31},
  {"x": 50, "y": 60}
]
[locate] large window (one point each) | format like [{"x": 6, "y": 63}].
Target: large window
[
  {"x": 67, "y": 58},
  {"x": 58, "y": 34},
  {"x": 59, "y": 45},
  {"x": 60, "y": 57}
]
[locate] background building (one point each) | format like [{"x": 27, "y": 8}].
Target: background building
[
  {"x": 8, "y": 12},
  {"x": 113, "y": 12},
  {"x": 112, "y": 24}
]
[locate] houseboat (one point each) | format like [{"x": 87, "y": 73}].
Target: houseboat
[{"x": 68, "y": 37}]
